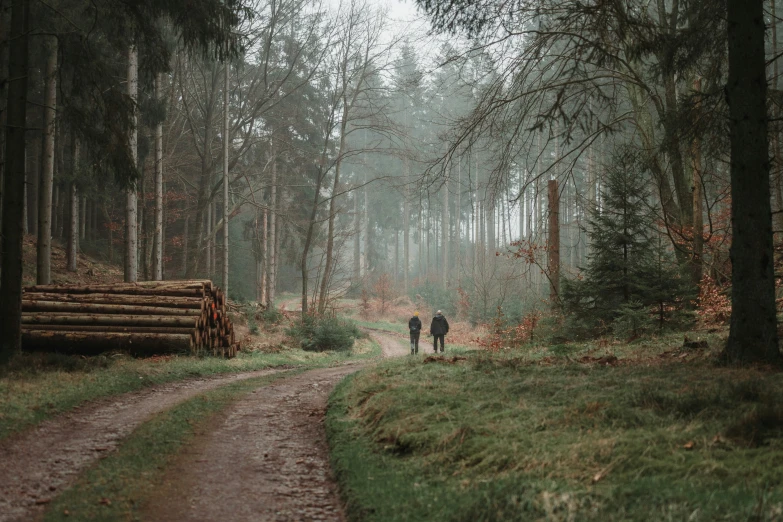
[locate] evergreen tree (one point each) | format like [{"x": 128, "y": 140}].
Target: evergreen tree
[{"x": 631, "y": 279}]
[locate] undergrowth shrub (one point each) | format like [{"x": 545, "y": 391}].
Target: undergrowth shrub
[
  {"x": 271, "y": 316},
  {"x": 320, "y": 334}
]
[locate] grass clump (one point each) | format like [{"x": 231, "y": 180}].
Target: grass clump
[
  {"x": 320, "y": 334},
  {"x": 503, "y": 437},
  {"x": 114, "y": 489}
]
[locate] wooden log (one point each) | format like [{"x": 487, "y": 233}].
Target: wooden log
[
  {"x": 133, "y": 300},
  {"x": 97, "y": 342},
  {"x": 89, "y": 308},
  {"x": 126, "y": 289},
  {"x": 188, "y": 284},
  {"x": 89, "y": 318},
  {"x": 98, "y": 319},
  {"x": 183, "y": 330}
]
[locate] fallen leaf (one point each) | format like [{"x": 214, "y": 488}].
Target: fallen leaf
[
  {"x": 598, "y": 476},
  {"x": 688, "y": 445},
  {"x": 105, "y": 501}
]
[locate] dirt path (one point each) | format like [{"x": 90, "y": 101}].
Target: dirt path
[
  {"x": 265, "y": 459},
  {"x": 392, "y": 346},
  {"x": 36, "y": 465}
]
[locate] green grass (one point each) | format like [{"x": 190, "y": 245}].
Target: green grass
[
  {"x": 37, "y": 386},
  {"x": 505, "y": 437},
  {"x": 115, "y": 488},
  {"x": 386, "y": 326}
]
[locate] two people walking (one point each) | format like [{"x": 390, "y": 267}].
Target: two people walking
[{"x": 438, "y": 329}]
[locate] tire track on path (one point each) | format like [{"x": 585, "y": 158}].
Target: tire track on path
[
  {"x": 38, "y": 464},
  {"x": 265, "y": 459}
]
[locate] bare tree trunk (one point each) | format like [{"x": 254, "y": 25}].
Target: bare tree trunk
[
  {"x": 522, "y": 204},
  {"x": 592, "y": 191},
  {"x": 92, "y": 219},
  {"x": 357, "y": 239},
  {"x": 445, "y": 235},
  {"x": 429, "y": 241},
  {"x": 698, "y": 224},
  {"x": 226, "y": 200},
  {"x": 13, "y": 182},
  {"x": 265, "y": 257},
  {"x": 396, "y": 276},
  {"x": 503, "y": 215},
  {"x": 131, "y": 225},
  {"x": 82, "y": 217},
  {"x": 210, "y": 250},
  {"x": 753, "y": 331},
  {"x": 366, "y": 221},
  {"x": 458, "y": 217},
  {"x": 554, "y": 244},
  {"x": 56, "y": 210},
  {"x": 33, "y": 182},
  {"x": 490, "y": 221},
  {"x": 437, "y": 243},
  {"x": 146, "y": 221},
  {"x": 406, "y": 226},
  {"x": 328, "y": 266},
  {"x": 44, "y": 250},
  {"x": 25, "y": 228},
  {"x": 272, "y": 263},
  {"x": 73, "y": 229},
  {"x": 157, "y": 245},
  {"x": 185, "y": 248},
  {"x": 420, "y": 234},
  {"x": 476, "y": 220}
]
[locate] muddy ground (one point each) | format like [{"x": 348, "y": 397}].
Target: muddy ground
[{"x": 265, "y": 458}]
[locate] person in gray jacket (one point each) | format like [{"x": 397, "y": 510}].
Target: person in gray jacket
[{"x": 438, "y": 329}]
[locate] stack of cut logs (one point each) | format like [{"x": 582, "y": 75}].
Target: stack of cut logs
[{"x": 144, "y": 318}]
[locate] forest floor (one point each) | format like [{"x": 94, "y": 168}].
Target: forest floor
[{"x": 646, "y": 430}]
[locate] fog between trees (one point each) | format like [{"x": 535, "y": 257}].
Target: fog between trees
[{"x": 291, "y": 146}]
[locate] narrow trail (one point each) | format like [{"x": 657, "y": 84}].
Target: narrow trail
[
  {"x": 265, "y": 458},
  {"x": 35, "y": 466}
]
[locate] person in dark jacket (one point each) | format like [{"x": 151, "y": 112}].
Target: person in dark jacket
[
  {"x": 438, "y": 329},
  {"x": 414, "y": 325}
]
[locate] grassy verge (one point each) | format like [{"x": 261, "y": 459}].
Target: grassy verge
[
  {"x": 506, "y": 438},
  {"x": 116, "y": 486},
  {"x": 38, "y": 386}
]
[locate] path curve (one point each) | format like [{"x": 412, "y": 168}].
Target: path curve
[
  {"x": 266, "y": 458},
  {"x": 284, "y": 417},
  {"x": 38, "y": 464}
]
